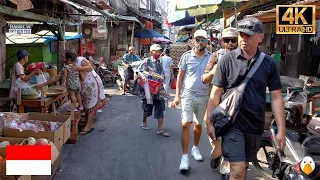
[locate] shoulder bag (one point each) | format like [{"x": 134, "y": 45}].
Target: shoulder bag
[{"x": 225, "y": 114}]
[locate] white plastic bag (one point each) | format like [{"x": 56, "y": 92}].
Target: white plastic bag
[
  {"x": 41, "y": 78},
  {"x": 26, "y": 88},
  {"x": 147, "y": 93}
]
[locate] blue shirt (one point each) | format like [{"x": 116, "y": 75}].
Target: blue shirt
[
  {"x": 193, "y": 68},
  {"x": 127, "y": 58}
]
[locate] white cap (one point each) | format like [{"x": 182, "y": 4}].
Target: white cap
[
  {"x": 155, "y": 47},
  {"x": 200, "y": 33},
  {"x": 229, "y": 32},
  {"x": 131, "y": 47}
]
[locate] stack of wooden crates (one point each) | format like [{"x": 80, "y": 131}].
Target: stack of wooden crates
[{"x": 177, "y": 49}]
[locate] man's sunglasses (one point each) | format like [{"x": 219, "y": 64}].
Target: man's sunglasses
[
  {"x": 201, "y": 40},
  {"x": 228, "y": 40},
  {"x": 245, "y": 26}
]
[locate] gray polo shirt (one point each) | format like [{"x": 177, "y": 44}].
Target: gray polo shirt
[
  {"x": 193, "y": 68},
  {"x": 231, "y": 71}
]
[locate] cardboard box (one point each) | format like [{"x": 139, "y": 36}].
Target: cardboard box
[
  {"x": 64, "y": 119},
  {"x": 16, "y": 178},
  {"x": 54, "y": 160},
  {"x": 59, "y": 137},
  {"x": 12, "y": 141}
]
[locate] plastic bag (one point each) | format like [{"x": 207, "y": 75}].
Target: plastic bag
[
  {"x": 41, "y": 78},
  {"x": 147, "y": 93},
  {"x": 27, "y": 89}
]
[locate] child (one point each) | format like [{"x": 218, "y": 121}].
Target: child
[{"x": 71, "y": 79}]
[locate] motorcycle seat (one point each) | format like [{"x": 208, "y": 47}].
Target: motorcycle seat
[
  {"x": 312, "y": 145},
  {"x": 314, "y": 126}
]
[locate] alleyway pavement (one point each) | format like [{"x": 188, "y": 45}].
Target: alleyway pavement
[{"x": 119, "y": 150}]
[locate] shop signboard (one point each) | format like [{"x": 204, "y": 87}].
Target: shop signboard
[{"x": 20, "y": 28}]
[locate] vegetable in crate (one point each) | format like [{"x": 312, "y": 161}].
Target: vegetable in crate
[
  {"x": 42, "y": 142},
  {"x": 52, "y": 126},
  {"x": 4, "y": 144},
  {"x": 29, "y": 141}
]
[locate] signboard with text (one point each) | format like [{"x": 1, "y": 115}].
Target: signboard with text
[{"x": 20, "y": 28}]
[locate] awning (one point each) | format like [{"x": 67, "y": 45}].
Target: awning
[
  {"x": 147, "y": 33},
  {"x": 187, "y": 4},
  {"x": 181, "y": 18},
  {"x": 146, "y": 16},
  {"x": 93, "y": 7}
]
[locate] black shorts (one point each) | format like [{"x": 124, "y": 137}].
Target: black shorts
[
  {"x": 159, "y": 108},
  {"x": 128, "y": 74},
  {"x": 239, "y": 146}
]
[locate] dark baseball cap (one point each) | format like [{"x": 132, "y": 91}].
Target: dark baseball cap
[
  {"x": 22, "y": 53},
  {"x": 250, "y": 26}
]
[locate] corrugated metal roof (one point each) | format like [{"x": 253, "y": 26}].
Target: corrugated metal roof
[
  {"x": 260, "y": 13},
  {"x": 24, "y": 39}
]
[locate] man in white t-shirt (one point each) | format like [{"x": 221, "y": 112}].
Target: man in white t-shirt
[
  {"x": 167, "y": 65},
  {"x": 17, "y": 71}
]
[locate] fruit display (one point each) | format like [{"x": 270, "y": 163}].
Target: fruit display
[
  {"x": 33, "y": 141},
  {"x": 9, "y": 116},
  {"x": 33, "y": 125}
]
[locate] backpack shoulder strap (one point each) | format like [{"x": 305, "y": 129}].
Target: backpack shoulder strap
[{"x": 256, "y": 65}]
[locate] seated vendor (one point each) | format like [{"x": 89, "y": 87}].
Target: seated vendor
[{"x": 17, "y": 71}]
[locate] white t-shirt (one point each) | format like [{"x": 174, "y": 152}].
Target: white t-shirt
[
  {"x": 16, "y": 70},
  {"x": 166, "y": 63}
]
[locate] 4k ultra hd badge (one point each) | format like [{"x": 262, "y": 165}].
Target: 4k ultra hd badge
[{"x": 296, "y": 19}]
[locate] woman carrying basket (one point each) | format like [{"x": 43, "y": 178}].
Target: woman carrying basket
[{"x": 153, "y": 65}]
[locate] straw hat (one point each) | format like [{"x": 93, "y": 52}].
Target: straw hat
[{"x": 216, "y": 148}]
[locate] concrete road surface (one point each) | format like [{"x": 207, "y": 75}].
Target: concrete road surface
[{"x": 119, "y": 150}]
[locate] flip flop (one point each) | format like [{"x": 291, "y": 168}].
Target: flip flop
[
  {"x": 86, "y": 132},
  {"x": 163, "y": 133},
  {"x": 144, "y": 127}
]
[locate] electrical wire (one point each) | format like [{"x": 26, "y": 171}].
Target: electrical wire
[{"x": 26, "y": 47}]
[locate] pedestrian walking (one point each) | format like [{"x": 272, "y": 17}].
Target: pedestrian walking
[
  {"x": 229, "y": 39},
  {"x": 242, "y": 141},
  {"x": 167, "y": 65},
  {"x": 192, "y": 94},
  {"x": 153, "y": 64}
]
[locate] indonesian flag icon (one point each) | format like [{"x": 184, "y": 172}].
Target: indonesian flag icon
[{"x": 28, "y": 160}]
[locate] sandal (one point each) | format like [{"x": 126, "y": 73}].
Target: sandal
[
  {"x": 144, "y": 127},
  {"x": 86, "y": 132},
  {"x": 163, "y": 133}
]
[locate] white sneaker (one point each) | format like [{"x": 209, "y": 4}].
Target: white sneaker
[
  {"x": 184, "y": 165},
  {"x": 196, "y": 153}
]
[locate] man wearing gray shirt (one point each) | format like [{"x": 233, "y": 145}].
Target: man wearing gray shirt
[{"x": 192, "y": 94}]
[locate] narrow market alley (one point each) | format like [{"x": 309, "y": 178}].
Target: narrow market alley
[{"x": 119, "y": 149}]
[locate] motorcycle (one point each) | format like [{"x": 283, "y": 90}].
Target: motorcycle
[
  {"x": 108, "y": 79},
  {"x": 132, "y": 84},
  {"x": 302, "y": 144}
]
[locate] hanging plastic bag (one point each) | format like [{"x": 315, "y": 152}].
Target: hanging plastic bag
[
  {"x": 173, "y": 83},
  {"x": 147, "y": 93},
  {"x": 41, "y": 79}
]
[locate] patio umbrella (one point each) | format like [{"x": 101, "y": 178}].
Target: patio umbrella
[
  {"x": 161, "y": 40},
  {"x": 147, "y": 33}
]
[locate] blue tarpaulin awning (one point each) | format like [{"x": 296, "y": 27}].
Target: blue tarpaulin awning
[{"x": 147, "y": 33}]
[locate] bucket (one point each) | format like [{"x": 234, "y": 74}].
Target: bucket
[{"x": 52, "y": 72}]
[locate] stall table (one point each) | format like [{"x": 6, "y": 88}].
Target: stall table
[
  {"x": 75, "y": 119},
  {"x": 43, "y": 103}
]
